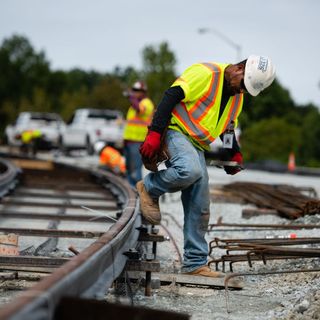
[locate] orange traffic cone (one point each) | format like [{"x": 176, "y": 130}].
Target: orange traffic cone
[{"x": 291, "y": 162}]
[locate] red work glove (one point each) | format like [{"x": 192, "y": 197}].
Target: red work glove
[
  {"x": 151, "y": 145},
  {"x": 237, "y": 157}
]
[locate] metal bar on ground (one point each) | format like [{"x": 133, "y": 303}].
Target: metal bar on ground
[
  {"x": 32, "y": 261},
  {"x": 53, "y": 233},
  {"x": 65, "y": 204},
  {"x": 49, "y": 216},
  {"x": 262, "y": 225},
  {"x": 56, "y": 195}
]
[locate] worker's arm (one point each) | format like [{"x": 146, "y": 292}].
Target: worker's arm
[
  {"x": 160, "y": 121},
  {"x": 162, "y": 115}
]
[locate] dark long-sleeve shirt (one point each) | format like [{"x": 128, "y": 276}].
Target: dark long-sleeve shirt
[{"x": 170, "y": 99}]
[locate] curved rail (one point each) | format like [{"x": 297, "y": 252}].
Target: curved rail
[
  {"x": 93, "y": 270},
  {"x": 8, "y": 177}
]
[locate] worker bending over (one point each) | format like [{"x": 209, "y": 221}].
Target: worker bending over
[
  {"x": 110, "y": 158},
  {"x": 202, "y": 105},
  {"x": 30, "y": 141}
]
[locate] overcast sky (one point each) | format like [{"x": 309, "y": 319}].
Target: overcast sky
[{"x": 102, "y": 34}]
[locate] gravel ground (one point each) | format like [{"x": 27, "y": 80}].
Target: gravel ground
[
  {"x": 294, "y": 296},
  {"x": 284, "y": 296}
]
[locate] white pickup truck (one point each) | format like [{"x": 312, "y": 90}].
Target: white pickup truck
[
  {"x": 88, "y": 125},
  {"x": 50, "y": 124}
]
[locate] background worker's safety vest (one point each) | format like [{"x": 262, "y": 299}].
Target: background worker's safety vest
[
  {"x": 28, "y": 135},
  {"x": 137, "y": 124},
  {"x": 197, "y": 115},
  {"x": 113, "y": 159}
]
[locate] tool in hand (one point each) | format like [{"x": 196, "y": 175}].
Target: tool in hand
[{"x": 222, "y": 164}]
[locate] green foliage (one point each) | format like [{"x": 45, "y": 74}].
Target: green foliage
[
  {"x": 272, "y": 124},
  {"x": 275, "y": 101},
  {"x": 22, "y": 69},
  {"x": 309, "y": 150},
  {"x": 127, "y": 76},
  {"x": 158, "y": 68},
  {"x": 272, "y": 138},
  {"x": 108, "y": 94},
  {"x": 72, "y": 101}
]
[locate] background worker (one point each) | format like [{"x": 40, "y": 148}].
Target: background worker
[
  {"x": 138, "y": 118},
  {"x": 30, "y": 140},
  {"x": 110, "y": 158},
  {"x": 201, "y": 105}
]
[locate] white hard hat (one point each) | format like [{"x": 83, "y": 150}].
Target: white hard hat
[
  {"x": 98, "y": 146},
  {"x": 139, "y": 86},
  {"x": 258, "y": 74}
]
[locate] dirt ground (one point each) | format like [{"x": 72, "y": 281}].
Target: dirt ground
[{"x": 279, "y": 296}]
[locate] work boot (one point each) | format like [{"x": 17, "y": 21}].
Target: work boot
[
  {"x": 149, "y": 206},
  {"x": 206, "y": 271}
]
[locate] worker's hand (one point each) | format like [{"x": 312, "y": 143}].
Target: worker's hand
[
  {"x": 237, "y": 157},
  {"x": 151, "y": 145}
]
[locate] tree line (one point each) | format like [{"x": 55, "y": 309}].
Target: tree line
[{"x": 272, "y": 124}]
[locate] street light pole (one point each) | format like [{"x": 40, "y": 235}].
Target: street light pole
[{"x": 222, "y": 36}]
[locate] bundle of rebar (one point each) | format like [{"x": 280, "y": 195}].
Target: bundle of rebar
[
  {"x": 260, "y": 249},
  {"x": 287, "y": 200}
]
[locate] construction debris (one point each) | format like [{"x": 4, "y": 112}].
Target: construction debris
[
  {"x": 248, "y": 250},
  {"x": 287, "y": 200}
]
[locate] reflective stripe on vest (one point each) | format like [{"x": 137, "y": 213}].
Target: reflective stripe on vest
[
  {"x": 137, "y": 121},
  {"x": 200, "y": 109},
  {"x": 193, "y": 128},
  {"x": 191, "y": 120},
  {"x": 234, "y": 110}
]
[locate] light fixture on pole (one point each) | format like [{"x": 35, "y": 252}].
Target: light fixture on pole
[{"x": 222, "y": 36}]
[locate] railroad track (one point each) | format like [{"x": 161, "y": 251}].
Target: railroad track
[{"x": 65, "y": 226}]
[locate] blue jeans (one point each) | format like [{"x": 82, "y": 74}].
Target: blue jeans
[
  {"x": 186, "y": 172},
  {"x": 133, "y": 162}
]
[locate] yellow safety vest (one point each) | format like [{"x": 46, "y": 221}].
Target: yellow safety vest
[
  {"x": 197, "y": 114},
  {"x": 137, "y": 122},
  {"x": 28, "y": 135}
]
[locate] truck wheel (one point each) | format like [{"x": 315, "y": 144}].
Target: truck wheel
[
  {"x": 89, "y": 147},
  {"x": 63, "y": 149}
]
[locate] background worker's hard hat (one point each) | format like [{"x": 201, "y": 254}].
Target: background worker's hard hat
[
  {"x": 258, "y": 74},
  {"x": 98, "y": 146},
  {"x": 139, "y": 86}
]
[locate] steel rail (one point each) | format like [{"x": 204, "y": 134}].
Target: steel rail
[
  {"x": 49, "y": 216},
  {"x": 93, "y": 270},
  {"x": 61, "y": 196},
  {"x": 8, "y": 176},
  {"x": 63, "y": 204}
]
